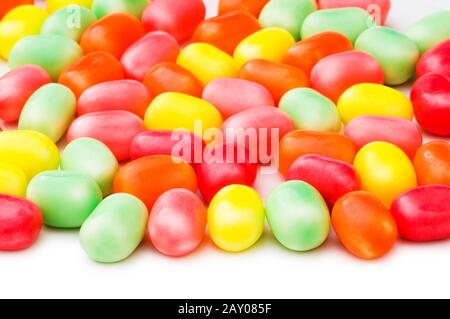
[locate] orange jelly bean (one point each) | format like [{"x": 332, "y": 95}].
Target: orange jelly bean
[
  {"x": 252, "y": 6},
  {"x": 8, "y": 5},
  {"x": 299, "y": 143},
  {"x": 432, "y": 163},
  {"x": 278, "y": 78},
  {"x": 226, "y": 31}
]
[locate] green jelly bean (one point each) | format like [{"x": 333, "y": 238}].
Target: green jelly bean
[
  {"x": 102, "y": 8},
  {"x": 54, "y": 53},
  {"x": 298, "y": 216},
  {"x": 287, "y": 14},
  {"x": 50, "y": 110},
  {"x": 115, "y": 228},
  {"x": 70, "y": 21},
  {"x": 350, "y": 22},
  {"x": 310, "y": 110},
  {"x": 431, "y": 30},
  {"x": 93, "y": 158},
  {"x": 396, "y": 53},
  {"x": 66, "y": 199}
]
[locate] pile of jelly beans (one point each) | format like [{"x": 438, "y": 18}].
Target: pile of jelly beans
[{"x": 97, "y": 89}]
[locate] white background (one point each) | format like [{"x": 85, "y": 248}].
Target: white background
[{"x": 56, "y": 266}]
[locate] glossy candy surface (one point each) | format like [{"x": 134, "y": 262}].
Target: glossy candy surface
[
  {"x": 432, "y": 163},
  {"x": 369, "y": 5},
  {"x": 8, "y": 5},
  {"x": 54, "y": 5},
  {"x": 13, "y": 180},
  {"x": 252, "y": 6},
  {"x": 435, "y": 60},
  {"x": 102, "y": 8}
]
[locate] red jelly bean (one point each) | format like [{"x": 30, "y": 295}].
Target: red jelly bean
[
  {"x": 179, "y": 18},
  {"x": 16, "y": 87},
  {"x": 334, "y": 74},
  {"x": 8, "y": 5},
  {"x": 432, "y": 163},
  {"x": 400, "y": 132},
  {"x": 152, "y": 49},
  {"x": 374, "y": 7},
  {"x": 423, "y": 213},
  {"x": 332, "y": 178},
  {"x": 252, "y": 6},
  {"x": 116, "y": 129},
  {"x": 435, "y": 60},
  {"x": 91, "y": 69},
  {"x": 20, "y": 223}
]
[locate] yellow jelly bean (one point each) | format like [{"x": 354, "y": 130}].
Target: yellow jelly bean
[
  {"x": 236, "y": 218},
  {"x": 31, "y": 151},
  {"x": 54, "y": 5},
  {"x": 19, "y": 23},
  {"x": 385, "y": 171},
  {"x": 207, "y": 62},
  {"x": 170, "y": 111},
  {"x": 13, "y": 180},
  {"x": 373, "y": 99},
  {"x": 268, "y": 44}
]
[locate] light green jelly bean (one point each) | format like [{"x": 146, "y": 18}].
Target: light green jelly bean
[
  {"x": 70, "y": 21},
  {"x": 52, "y": 52},
  {"x": 431, "y": 30},
  {"x": 102, "y": 8},
  {"x": 66, "y": 199},
  {"x": 115, "y": 228},
  {"x": 298, "y": 216},
  {"x": 350, "y": 22},
  {"x": 91, "y": 157},
  {"x": 396, "y": 53},
  {"x": 310, "y": 110},
  {"x": 287, "y": 14},
  {"x": 50, "y": 110}
]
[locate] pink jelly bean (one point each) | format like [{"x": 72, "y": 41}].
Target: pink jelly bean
[
  {"x": 435, "y": 60},
  {"x": 374, "y": 7},
  {"x": 231, "y": 96}
]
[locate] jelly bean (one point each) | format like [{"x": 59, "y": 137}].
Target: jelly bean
[
  {"x": 363, "y": 225},
  {"x": 259, "y": 45},
  {"x": 306, "y": 53},
  {"x": 278, "y": 78},
  {"x": 114, "y": 229},
  {"x": 65, "y": 198},
  {"x": 149, "y": 177},
  {"x": 400, "y": 132},
  {"x": 332, "y": 178},
  {"x": 287, "y": 14},
  {"x": 190, "y": 146},
  {"x": 375, "y": 7},
  {"x": 435, "y": 60},
  {"x": 53, "y": 53},
  {"x": 231, "y": 96},
  {"x": 92, "y": 158},
  {"x": 236, "y": 218},
  {"x": 226, "y": 31},
  {"x": 71, "y": 22},
  {"x": 336, "y": 73},
  {"x": 8, "y": 5},
  {"x": 116, "y": 129},
  {"x": 310, "y": 110},
  {"x": 114, "y": 34},
  {"x": 373, "y": 99},
  {"x": 126, "y": 95},
  {"x": 31, "y": 151},
  {"x": 430, "y": 30},
  {"x": 15, "y": 90},
  {"x": 55, "y": 5},
  {"x": 432, "y": 163},
  {"x": 164, "y": 113},
  {"x": 103, "y": 8},
  {"x": 207, "y": 62},
  {"x": 254, "y": 7},
  {"x": 299, "y": 143},
  {"x": 13, "y": 180},
  {"x": 170, "y": 77},
  {"x": 430, "y": 96},
  {"x": 177, "y": 223},
  {"x": 91, "y": 69},
  {"x": 385, "y": 171},
  {"x": 298, "y": 216},
  {"x": 423, "y": 213},
  {"x": 396, "y": 53},
  {"x": 350, "y": 22},
  {"x": 229, "y": 165},
  {"x": 19, "y": 23},
  {"x": 152, "y": 49},
  {"x": 50, "y": 110},
  {"x": 20, "y": 223}
]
